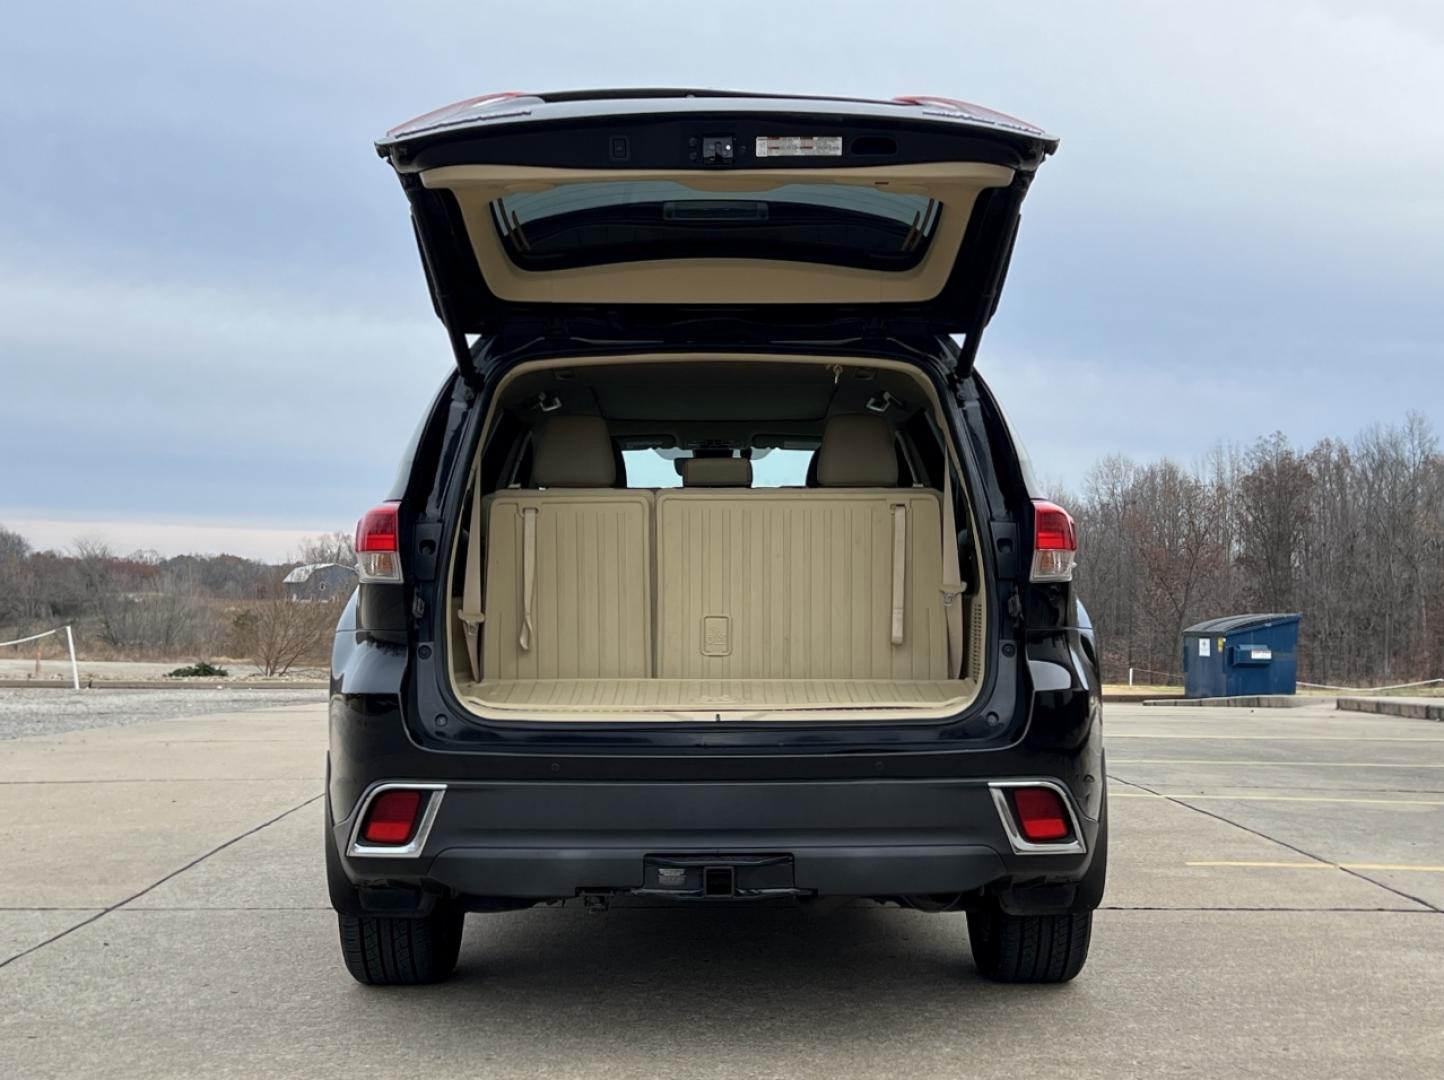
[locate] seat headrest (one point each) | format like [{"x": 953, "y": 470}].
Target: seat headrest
[
  {"x": 573, "y": 452},
  {"x": 716, "y": 472},
  {"x": 857, "y": 451}
]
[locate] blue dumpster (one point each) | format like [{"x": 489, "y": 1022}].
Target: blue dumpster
[{"x": 1241, "y": 654}]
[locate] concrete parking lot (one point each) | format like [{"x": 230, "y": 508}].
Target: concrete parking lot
[{"x": 1274, "y": 909}]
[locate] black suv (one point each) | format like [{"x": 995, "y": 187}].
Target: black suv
[{"x": 713, "y": 572}]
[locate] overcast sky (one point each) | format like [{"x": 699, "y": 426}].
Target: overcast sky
[{"x": 213, "y": 327}]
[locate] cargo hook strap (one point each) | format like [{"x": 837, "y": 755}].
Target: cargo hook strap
[
  {"x": 471, "y": 615},
  {"x": 899, "y": 570},
  {"x": 528, "y": 574},
  {"x": 952, "y": 575}
]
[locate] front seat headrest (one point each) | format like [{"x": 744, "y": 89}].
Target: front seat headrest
[
  {"x": 856, "y": 451},
  {"x": 573, "y": 452},
  {"x": 716, "y": 472}
]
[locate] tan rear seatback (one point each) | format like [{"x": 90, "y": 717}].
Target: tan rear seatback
[
  {"x": 581, "y": 552},
  {"x": 842, "y": 582}
]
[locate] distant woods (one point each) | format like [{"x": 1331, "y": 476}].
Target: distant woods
[
  {"x": 141, "y": 605},
  {"x": 1350, "y": 534}
]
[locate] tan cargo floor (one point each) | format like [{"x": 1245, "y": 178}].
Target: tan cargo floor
[{"x": 698, "y": 695}]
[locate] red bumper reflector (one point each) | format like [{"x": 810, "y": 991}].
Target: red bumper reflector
[
  {"x": 392, "y": 817},
  {"x": 1041, "y": 815}
]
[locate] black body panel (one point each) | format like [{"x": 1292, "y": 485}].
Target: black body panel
[{"x": 556, "y": 839}]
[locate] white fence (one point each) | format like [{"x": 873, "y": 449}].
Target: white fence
[
  {"x": 1171, "y": 677},
  {"x": 1372, "y": 689},
  {"x": 69, "y": 644}
]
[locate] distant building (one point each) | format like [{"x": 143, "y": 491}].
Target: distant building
[{"x": 319, "y": 581}]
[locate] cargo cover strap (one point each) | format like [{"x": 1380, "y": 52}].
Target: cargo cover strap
[
  {"x": 952, "y": 586},
  {"x": 899, "y": 570},
  {"x": 528, "y": 574},
  {"x": 471, "y": 614}
]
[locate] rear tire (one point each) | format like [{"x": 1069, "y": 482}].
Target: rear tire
[
  {"x": 1029, "y": 948},
  {"x": 381, "y": 951}
]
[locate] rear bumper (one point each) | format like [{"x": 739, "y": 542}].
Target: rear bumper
[{"x": 552, "y": 840}]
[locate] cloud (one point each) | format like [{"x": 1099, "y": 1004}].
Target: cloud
[
  {"x": 210, "y": 303},
  {"x": 149, "y": 397},
  {"x": 166, "y": 537}
]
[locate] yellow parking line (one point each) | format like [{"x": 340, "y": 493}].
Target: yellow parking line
[
  {"x": 1244, "y": 864},
  {"x": 1307, "y": 764},
  {"x": 1277, "y": 798},
  {"x": 1264, "y": 865}
]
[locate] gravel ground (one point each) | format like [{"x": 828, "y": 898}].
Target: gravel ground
[{"x": 50, "y": 712}]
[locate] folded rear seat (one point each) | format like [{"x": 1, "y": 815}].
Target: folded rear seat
[
  {"x": 581, "y": 552},
  {"x": 843, "y": 581}
]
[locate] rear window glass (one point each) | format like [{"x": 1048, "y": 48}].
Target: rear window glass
[{"x": 588, "y": 224}]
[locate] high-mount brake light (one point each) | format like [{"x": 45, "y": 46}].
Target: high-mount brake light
[
  {"x": 1055, "y": 542},
  {"x": 454, "y": 111},
  {"x": 378, "y": 545},
  {"x": 966, "y": 108},
  {"x": 934, "y": 101}
]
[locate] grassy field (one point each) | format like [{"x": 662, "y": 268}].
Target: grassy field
[{"x": 1141, "y": 690}]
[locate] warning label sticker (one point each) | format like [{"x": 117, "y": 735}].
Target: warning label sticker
[{"x": 799, "y": 146}]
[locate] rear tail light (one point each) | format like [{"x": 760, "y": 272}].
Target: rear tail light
[
  {"x": 1041, "y": 814},
  {"x": 1055, "y": 542},
  {"x": 392, "y": 817},
  {"x": 378, "y": 545}
]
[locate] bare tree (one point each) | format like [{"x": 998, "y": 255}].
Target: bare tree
[
  {"x": 1108, "y": 574},
  {"x": 105, "y": 583},
  {"x": 13, "y": 546},
  {"x": 1173, "y": 518},
  {"x": 172, "y": 611},
  {"x": 1331, "y": 567},
  {"x": 332, "y": 547},
  {"x": 1274, "y": 512},
  {"x": 278, "y": 633},
  {"x": 14, "y": 552}
]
